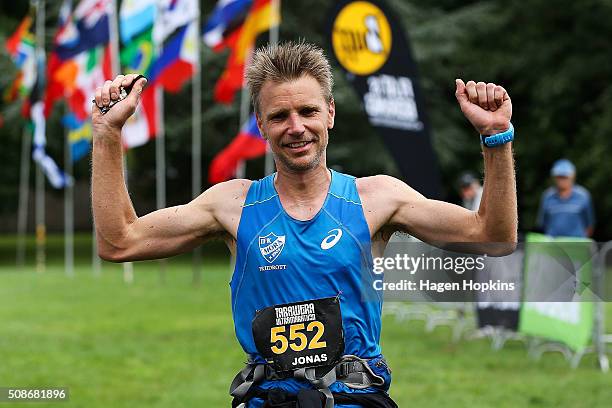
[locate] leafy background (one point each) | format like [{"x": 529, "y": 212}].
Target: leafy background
[{"x": 551, "y": 56}]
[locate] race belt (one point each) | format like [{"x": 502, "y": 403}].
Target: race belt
[{"x": 299, "y": 335}]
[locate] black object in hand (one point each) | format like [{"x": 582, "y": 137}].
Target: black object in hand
[{"x": 124, "y": 91}]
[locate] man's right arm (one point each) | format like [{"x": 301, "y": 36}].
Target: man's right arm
[{"x": 121, "y": 234}]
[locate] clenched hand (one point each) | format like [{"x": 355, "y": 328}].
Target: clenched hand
[
  {"x": 486, "y": 105},
  {"x": 116, "y": 117}
]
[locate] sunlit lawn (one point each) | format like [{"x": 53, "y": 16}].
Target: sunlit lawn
[{"x": 162, "y": 342}]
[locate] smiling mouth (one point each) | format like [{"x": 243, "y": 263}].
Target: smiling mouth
[{"x": 297, "y": 145}]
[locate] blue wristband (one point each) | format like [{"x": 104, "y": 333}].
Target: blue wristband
[{"x": 498, "y": 139}]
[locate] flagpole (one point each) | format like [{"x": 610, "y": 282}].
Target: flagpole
[
  {"x": 196, "y": 143},
  {"x": 274, "y": 33},
  {"x": 113, "y": 39},
  {"x": 68, "y": 209},
  {"x": 24, "y": 193},
  {"x": 160, "y": 161},
  {"x": 245, "y": 108},
  {"x": 40, "y": 220},
  {"x": 160, "y": 151},
  {"x": 274, "y": 28},
  {"x": 41, "y": 233},
  {"x": 128, "y": 267},
  {"x": 68, "y": 205},
  {"x": 245, "y": 105}
]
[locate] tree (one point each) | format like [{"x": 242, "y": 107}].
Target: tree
[{"x": 552, "y": 60}]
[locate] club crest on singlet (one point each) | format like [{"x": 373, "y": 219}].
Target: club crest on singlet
[{"x": 271, "y": 246}]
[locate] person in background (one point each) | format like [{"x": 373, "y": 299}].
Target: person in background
[
  {"x": 470, "y": 191},
  {"x": 566, "y": 209}
]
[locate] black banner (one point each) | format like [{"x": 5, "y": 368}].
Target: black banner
[
  {"x": 368, "y": 42},
  {"x": 493, "y": 309}
]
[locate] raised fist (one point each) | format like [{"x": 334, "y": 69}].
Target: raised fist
[
  {"x": 116, "y": 117},
  {"x": 486, "y": 105}
]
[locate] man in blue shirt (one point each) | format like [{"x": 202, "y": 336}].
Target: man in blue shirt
[
  {"x": 304, "y": 237},
  {"x": 566, "y": 209}
]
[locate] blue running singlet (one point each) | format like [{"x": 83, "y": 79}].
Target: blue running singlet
[{"x": 283, "y": 260}]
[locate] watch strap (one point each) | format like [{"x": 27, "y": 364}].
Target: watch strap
[{"x": 498, "y": 139}]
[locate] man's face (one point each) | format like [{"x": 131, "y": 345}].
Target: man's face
[
  {"x": 468, "y": 192},
  {"x": 564, "y": 182},
  {"x": 295, "y": 118}
]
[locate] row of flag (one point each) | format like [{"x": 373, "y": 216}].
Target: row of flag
[
  {"x": 158, "y": 38},
  {"x": 22, "y": 49}
]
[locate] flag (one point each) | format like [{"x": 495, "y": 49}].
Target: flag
[
  {"x": 65, "y": 35},
  {"x": 81, "y": 58},
  {"x": 175, "y": 32},
  {"x": 79, "y": 77},
  {"x": 80, "y": 62},
  {"x": 136, "y": 21},
  {"x": 136, "y": 131},
  {"x": 176, "y": 62},
  {"x": 56, "y": 177},
  {"x": 138, "y": 54},
  {"x": 86, "y": 28},
  {"x": 262, "y": 17},
  {"x": 147, "y": 25},
  {"x": 173, "y": 15},
  {"x": 20, "y": 46},
  {"x": 136, "y": 17},
  {"x": 247, "y": 145},
  {"x": 226, "y": 18},
  {"x": 79, "y": 136}
]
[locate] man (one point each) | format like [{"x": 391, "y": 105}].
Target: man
[
  {"x": 305, "y": 236},
  {"x": 566, "y": 209},
  {"x": 470, "y": 191}
]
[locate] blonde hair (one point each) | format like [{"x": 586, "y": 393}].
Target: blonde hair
[{"x": 285, "y": 62}]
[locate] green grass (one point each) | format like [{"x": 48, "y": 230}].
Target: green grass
[{"x": 157, "y": 343}]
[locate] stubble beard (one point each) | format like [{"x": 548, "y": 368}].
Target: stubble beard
[{"x": 297, "y": 167}]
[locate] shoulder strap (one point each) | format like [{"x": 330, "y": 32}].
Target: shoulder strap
[
  {"x": 343, "y": 187},
  {"x": 261, "y": 191}
]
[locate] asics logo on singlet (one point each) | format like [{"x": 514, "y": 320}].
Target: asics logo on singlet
[
  {"x": 271, "y": 246},
  {"x": 332, "y": 239}
]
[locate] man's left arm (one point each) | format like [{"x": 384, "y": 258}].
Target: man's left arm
[
  {"x": 488, "y": 108},
  {"x": 498, "y": 207}
]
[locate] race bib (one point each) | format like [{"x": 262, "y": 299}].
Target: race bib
[{"x": 300, "y": 335}]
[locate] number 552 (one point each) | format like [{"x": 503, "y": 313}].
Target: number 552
[{"x": 298, "y": 340}]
